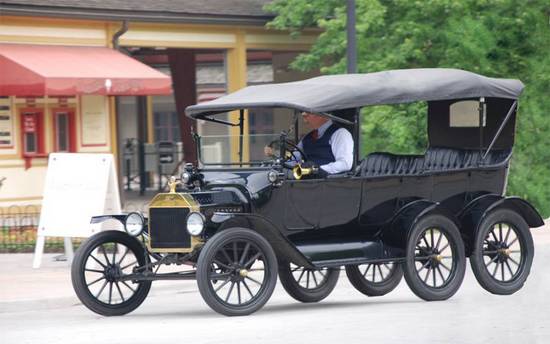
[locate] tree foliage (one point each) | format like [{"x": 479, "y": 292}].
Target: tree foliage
[{"x": 499, "y": 38}]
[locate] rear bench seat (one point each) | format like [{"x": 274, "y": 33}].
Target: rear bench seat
[
  {"x": 436, "y": 159},
  {"x": 449, "y": 159},
  {"x": 387, "y": 164}
]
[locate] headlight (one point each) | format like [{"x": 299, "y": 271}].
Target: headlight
[
  {"x": 134, "y": 224},
  {"x": 185, "y": 176},
  {"x": 195, "y": 223},
  {"x": 272, "y": 176}
]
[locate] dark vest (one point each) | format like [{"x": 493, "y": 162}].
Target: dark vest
[{"x": 319, "y": 151}]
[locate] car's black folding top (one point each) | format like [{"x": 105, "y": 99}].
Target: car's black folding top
[{"x": 335, "y": 92}]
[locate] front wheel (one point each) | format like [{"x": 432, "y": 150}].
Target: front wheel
[
  {"x": 236, "y": 272},
  {"x": 97, "y": 270},
  {"x": 308, "y": 285}
]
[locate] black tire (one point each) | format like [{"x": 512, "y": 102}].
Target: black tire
[
  {"x": 435, "y": 246},
  {"x": 228, "y": 258},
  {"x": 503, "y": 240},
  {"x": 88, "y": 272},
  {"x": 322, "y": 282},
  {"x": 389, "y": 276}
]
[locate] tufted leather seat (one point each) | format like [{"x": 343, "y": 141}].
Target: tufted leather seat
[
  {"x": 448, "y": 159},
  {"x": 436, "y": 159},
  {"x": 386, "y": 164}
]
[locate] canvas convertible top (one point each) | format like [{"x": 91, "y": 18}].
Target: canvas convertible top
[{"x": 335, "y": 92}]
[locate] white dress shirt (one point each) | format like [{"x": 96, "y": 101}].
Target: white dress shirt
[{"x": 341, "y": 143}]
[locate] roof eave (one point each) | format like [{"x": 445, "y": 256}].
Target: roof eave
[{"x": 156, "y": 17}]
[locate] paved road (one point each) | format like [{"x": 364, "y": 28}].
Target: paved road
[{"x": 176, "y": 312}]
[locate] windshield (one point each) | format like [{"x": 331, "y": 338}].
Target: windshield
[
  {"x": 220, "y": 139},
  {"x": 221, "y": 150}
]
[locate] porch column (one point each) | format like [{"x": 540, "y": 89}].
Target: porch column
[
  {"x": 236, "y": 79},
  {"x": 182, "y": 66}
]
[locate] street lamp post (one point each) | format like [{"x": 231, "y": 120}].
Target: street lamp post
[{"x": 351, "y": 39}]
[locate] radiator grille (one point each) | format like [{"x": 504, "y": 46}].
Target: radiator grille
[{"x": 167, "y": 228}]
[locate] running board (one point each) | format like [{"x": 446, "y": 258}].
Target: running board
[
  {"x": 355, "y": 261},
  {"x": 351, "y": 252}
]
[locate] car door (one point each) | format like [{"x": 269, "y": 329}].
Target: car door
[
  {"x": 340, "y": 201},
  {"x": 303, "y": 200}
]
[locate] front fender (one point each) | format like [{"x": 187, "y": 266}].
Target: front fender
[
  {"x": 102, "y": 218},
  {"x": 284, "y": 249}
]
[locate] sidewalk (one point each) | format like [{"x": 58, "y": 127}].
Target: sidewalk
[{"x": 23, "y": 288}]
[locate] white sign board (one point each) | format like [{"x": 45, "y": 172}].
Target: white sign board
[{"x": 78, "y": 186}]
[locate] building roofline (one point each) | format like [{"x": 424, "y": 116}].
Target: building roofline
[{"x": 117, "y": 15}]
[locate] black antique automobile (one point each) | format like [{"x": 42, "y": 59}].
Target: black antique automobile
[{"x": 239, "y": 225}]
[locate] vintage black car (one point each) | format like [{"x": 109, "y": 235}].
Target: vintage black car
[{"x": 239, "y": 225}]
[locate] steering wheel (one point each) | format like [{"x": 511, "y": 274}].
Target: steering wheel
[{"x": 292, "y": 156}]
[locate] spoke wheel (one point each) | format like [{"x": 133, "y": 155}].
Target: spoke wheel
[
  {"x": 435, "y": 260},
  {"x": 236, "y": 272},
  {"x": 308, "y": 285},
  {"x": 375, "y": 279},
  {"x": 503, "y": 252},
  {"x": 96, "y": 273}
]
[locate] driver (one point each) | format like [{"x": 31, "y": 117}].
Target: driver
[{"x": 329, "y": 147}]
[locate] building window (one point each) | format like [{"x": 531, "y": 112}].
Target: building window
[
  {"x": 166, "y": 126},
  {"x": 165, "y": 119},
  {"x": 32, "y": 132},
  {"x": 64, "y": 130}
]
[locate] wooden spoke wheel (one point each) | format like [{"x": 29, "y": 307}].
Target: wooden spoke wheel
[
  {"x": 236, "y": 272},
  {"x": 503, "y": 252},
  {"x": 97, "y": 269},
  {"x": 308, "y": 285},
  {"x": 375, "y": 279},
  {"x": 435, "y": 260}
]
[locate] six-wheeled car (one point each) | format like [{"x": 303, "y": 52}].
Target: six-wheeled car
[{"x": 235, "y": 226}]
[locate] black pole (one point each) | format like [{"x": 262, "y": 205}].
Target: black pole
[
  {"x": 351, "y": 38},
  {"x": 241, "y": 133}
]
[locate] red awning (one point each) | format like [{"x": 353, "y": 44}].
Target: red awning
[{"x": 40, "y": 70}]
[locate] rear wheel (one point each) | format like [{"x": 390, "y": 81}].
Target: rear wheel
[
  {"x": 435, "y": 259},
  {"x": 375, "y": 279},
  {"x": 97, "y": 269},
  {"x": 236, "y": 272},
  {"x": 503, "y": 252},
  {"x": 308, "y": 285}
]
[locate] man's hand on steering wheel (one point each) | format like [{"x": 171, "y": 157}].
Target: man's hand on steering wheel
[{"x": 292, "y": 148}]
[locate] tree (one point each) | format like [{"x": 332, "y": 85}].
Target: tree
[{"x": 499, "y": 38}]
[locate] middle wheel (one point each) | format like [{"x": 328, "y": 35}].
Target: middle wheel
[
  {"x": 435, "y": 259},
  {"x": 308, "y": 285},
  {"x": 375, "y": 279}
]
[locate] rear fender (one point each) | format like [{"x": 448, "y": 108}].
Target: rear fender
[
  {"x": 396, "y": 234},
  {"x": 522, "y": 207},
  {"x": 473, "y": 214},
  {"x": 284, "y": 249}
]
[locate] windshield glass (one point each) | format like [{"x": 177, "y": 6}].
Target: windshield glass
[
  {"x": 219, "y": 142},
  {"x": 257, "y": 149}
]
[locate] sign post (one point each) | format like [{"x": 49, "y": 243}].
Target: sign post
[{"x": 78, "y": 186}]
